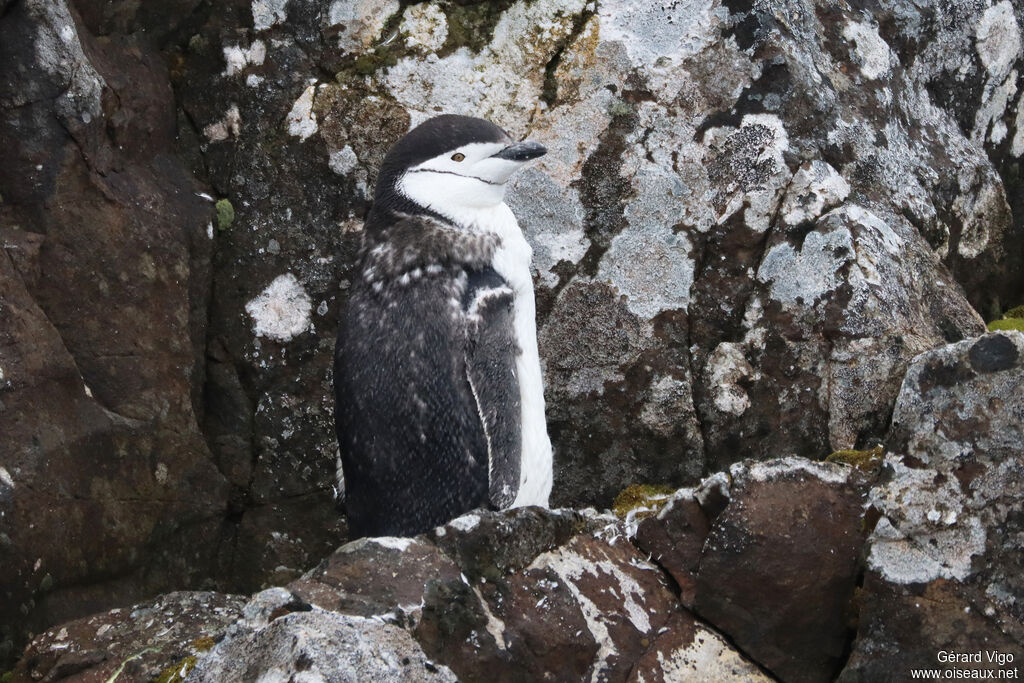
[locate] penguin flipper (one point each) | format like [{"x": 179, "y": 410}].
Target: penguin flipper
[{"x": 491, "y": 352}]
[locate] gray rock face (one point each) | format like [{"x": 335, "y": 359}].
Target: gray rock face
[
  {"x": 752, "y": 217},
  {"x": 319, "y": 646},
  {"x": 949, "y": 509}
]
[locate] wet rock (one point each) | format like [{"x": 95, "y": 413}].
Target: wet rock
[
  {"x": 139, "y": 643},
  {"x": 781, "y": 563},
  {"x": 944, "y": 556}
]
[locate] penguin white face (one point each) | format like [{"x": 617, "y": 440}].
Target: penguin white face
[{"x": 469, "y": 177}]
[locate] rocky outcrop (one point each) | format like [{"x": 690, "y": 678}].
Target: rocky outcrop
[
  {"x": 522, "y": 595},
  {"x": 752, "y": 217},
  {"x": 157, "y": 640},
  {"x": 943, "y": 563}
]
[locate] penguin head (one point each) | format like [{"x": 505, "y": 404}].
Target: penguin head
[{"x": 452, "y": 164}]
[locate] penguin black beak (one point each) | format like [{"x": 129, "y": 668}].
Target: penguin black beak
[{"x": 522, "y": 151}]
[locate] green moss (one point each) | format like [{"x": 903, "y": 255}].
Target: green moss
[
  {"x": 868, "y": 460},
  {"x": 472, "y": 25},
  {"x": 176, "y": 672},
  {"x": 381, "y": 57},
  {"x": 7, "y": 677},
  {"x": 203, "y": 644},
  {"x": 1015, "y": 312},
  {"x": 644, "y": 498},
  {"x": 1007, "y": 324},
  {"x": 225, "y": 214}
]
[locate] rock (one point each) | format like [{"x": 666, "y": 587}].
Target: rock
[
  {"x": 110, "y": 493},
  {"x": 319, "y": 646},
  {"x": 376, "y": 576},
  {"x": 781, "y": 563},
  {"x": 570, "y": 600},
  {"x": 674, "y": 539},
  {"x": 587, "y": 606},
  {"x": 944, "y": 556},
  {"x": 134, "y": 644},
  {"x": 752, "y": 217},
  {"x": 688, "y": 650}
]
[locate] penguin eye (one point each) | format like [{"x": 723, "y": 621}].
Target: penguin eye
[{"x": 458, "y": 156}]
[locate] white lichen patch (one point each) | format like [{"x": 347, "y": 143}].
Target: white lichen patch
[
  {"x": 651, "y": 266},
  {"x": 976, "y": 233},
  {"x": 503, "y": 82},
  {"x": 802, "y": 277},
  {"x": 425, "y": 27},
  {"x": 358, "y": 23},
  {"x": 494, "y": 626},
  {"x": 718, "y": 484},
  {"x": 551, "y": 218},
  {"x": 727, "y": 365},
  {"x": 783, "y": 468},
  {"x": 282, "y": 310},
  {"x": 266, "y": 13},
  {"x": 466, "y": 522},
  {"x": 161, "y": 473},
  {"x": 924, "y": 533},
  {"x": 5, "y": 478},
  {"x": 237, "y": 58},
  {"x": 392, "y": 542},
  {"x": 766, "y": 135},
  {"x": 344, "y": 162},
  {"x": 872, "y": 51},
  {"x": 228, "y": 127},
  {"x": 570, "y": 566},
  {"x": 660, "y": 36},
  {"x": 1017, "y": 146},
  {"x": 301, "y": 120},
  {"x": 58, "y": 51},
  {"x": 708, "y": 657},
  {"x": 816, "y": 188},
  {"x": 998, "y": 39}
]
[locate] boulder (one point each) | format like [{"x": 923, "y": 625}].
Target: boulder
[
  {"x": 943, "y": 563},
  {"x": 156, "y": 640}
]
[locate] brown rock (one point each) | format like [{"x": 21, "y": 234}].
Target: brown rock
[
  {"x": 134, "y": 644},
  {"x": 674, "y": 538},
  {"x": 375, "y": 576},
  {"x": 781, "y": 563}
]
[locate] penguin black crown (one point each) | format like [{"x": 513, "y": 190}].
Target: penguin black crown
[{"x": 439, "y": 398}]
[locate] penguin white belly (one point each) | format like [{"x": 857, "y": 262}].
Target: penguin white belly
[{"x": 512, "y": 261}]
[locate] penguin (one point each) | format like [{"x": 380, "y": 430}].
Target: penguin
[{"x": 439, "y": 400}]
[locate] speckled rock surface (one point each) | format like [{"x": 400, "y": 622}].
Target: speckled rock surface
[
  {"x": 944, "y": 562},
  {"x": 753, "y": 215},
  {"x": 138, "y": 643},
  {"x": 560, "y": 595}
]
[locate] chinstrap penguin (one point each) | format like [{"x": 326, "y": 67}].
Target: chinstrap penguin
[{"x": 439, "y": 398}]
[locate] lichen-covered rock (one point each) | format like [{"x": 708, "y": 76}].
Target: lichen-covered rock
[
  {"x": 780, "y": 565},
  {"x": 752, "y": 216},
  {"x": 561, "y": 596},
  {"x": 157, "y": 640},
  {"x": 319, "y": 646},
  {"x": 948, "y": 509}
]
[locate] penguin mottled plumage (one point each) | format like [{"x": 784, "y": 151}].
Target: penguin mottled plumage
[{"x": 439, "y": 399}]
